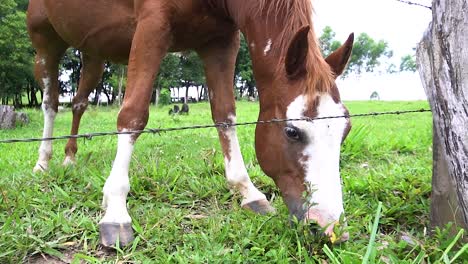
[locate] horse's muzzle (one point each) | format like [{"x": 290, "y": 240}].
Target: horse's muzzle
[{"x": 327, "y": 224}]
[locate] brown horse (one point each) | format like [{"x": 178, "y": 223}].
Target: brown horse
[{"x": 293, "y": 81}]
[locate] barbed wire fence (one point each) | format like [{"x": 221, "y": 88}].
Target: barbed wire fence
[
  {"x": 414, "y": 3},
  {"x": 90, "y": 136}
]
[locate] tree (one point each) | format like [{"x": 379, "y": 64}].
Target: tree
[
  {"x": 192, "y": 73},
  {"x": 243, "y": 71},
  {"x": 169, "y": 75},
  {"x": 408, "y": 63},
  {"x": 16, "y": 55},
  {"x": 443, "y": 63},
  {"x": 7, "y": 7},
  {"x": 118, "y": 80},
  {"x": 327, "y": 41},
  {"x": 367, "y": 53},
  {"x": 22, "y": 5},
  {"x": 105, "y": 85},
  {"x": 70, "y": 66}
]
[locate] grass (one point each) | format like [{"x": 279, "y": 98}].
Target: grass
[{"x": 183, "y": 211}]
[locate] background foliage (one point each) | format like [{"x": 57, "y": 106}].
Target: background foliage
[{"x": 179, "y": 71}]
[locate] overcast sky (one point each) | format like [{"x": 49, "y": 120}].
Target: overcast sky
[{"x": 401, "y": 25}]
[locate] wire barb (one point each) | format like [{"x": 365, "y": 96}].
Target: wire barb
[{"x": 225, "y": 125}]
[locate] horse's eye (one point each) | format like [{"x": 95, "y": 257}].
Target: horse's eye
[{"x": 292, "y": 132}]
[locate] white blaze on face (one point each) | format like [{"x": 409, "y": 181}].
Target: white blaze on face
[
  {"x": 236, "y": 173},
  {"x": 267, "y": 47},
  {"x": 117, "y": 185},
  {"x": 322, "y": 155}
]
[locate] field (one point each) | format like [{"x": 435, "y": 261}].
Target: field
[{"x": 183, "y": 211}]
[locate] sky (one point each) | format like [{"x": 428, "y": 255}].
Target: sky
[{"x": 400, "y": 24}]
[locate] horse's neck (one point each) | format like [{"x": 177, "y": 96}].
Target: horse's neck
[{"x": 262, "y": 33}]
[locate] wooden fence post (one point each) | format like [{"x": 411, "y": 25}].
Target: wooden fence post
[
  {"x": 444, "y": 199},
  {"x": 7, "y": 117},
  {"x": 442, "y": 58}
]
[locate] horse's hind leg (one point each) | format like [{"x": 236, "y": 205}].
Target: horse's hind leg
[
  {"x": 219, "y": 60},
  {"x": 49, "y": 50},
  {"x": 91, "y": 74}
]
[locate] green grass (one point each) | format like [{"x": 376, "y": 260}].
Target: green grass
[{"x": 183, "y": 211}]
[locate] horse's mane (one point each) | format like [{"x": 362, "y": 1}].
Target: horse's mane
[{"x": 295, "y": 14}]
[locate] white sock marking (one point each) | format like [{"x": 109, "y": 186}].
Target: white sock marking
[
  {"x": 117, "y": 184},
  {"x": 236, "y": 173},
  {"x": 45, "y": 150},
  {"x": 68, "y": 161}
]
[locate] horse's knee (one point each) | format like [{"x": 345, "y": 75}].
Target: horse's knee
[
  {"x": 79, "y": 105},
  {"x": 132, "y": 117}
]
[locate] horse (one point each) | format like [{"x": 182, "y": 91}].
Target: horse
[
  {"x": 294, "y": 82},
  {"x": 174, "y": 110},
  {"x": 184, "y": 109}
]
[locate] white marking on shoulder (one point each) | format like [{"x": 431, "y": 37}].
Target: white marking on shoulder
[{"x": 267, "y": 47}]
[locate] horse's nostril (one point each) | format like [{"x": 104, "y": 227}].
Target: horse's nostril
[
  {"x": 315, "y": 229},
  {"x": 314, "y": 226}
]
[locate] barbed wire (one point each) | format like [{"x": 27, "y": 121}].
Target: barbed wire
[
  {"x": 413, "y": 3},
  {"x": 90, "y": 136}
]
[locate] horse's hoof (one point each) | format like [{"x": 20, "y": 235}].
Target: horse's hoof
[
  {"x": 109, "y": 233},
  {"x": 68, "y": 161},
  {"x": 260, "y": 207},
  {"x": 39, "y": 168}
]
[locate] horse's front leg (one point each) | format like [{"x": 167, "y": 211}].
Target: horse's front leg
[
  {"x": 150, "y": 44},
  {"x": 219, "y": 61}
]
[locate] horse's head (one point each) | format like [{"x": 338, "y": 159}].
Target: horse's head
[{"x": 303, "y": 157}]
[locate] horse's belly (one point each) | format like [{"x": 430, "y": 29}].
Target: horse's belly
[
  {"x": 100, "y": 28},
  {"x": 105, "y": 28},
  {"x": 195, "y": 25}
]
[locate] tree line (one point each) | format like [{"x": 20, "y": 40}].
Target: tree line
[{"x": 178, "y": 71}]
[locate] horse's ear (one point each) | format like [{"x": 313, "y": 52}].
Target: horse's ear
[
  {"x": 296, "y": 57},
  {"x": 340, "y": 57}
]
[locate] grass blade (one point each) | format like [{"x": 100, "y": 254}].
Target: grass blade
[
  {"x": 330, "y": 254},
  {"x": 461, "y": 251},
  {"x": 447, "y": 250},
  {"x": 370, "y": 246},
  {"x": 419, "y": 259}
]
